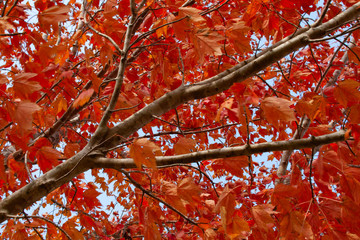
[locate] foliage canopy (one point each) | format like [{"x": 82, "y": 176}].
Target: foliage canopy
[{"x": 123, "y": 119}]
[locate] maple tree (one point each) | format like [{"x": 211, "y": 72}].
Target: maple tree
[{"x": 192, "y": 119}]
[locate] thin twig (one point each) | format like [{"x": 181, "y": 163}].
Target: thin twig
[
  {"x": 12, "y": 7},
  {"x": 44, "y": 219},
  {"x": 310, "y": 173},
  {"x": 214, "y": 8},
  {"x": 128, "y": 108},
  {"x": 323, "y": 14},
  {"x": 158, "y": 118},
  {"x": 178, "y": 121},
  {"x": 197, "y": 169},
  {"x": 27, "y": 167},
  {"x": 28, "y": 220},
  {"x": 5, "y": 5},
  {"x": 182, "y": 69},
  {"x": 282, "y": 73},
  {"x": 247, "y": 126},
  {"x": 11, "y": 34},
  {"x": 136, "y": 184},
  {"x": 107, "y": 37},
  {"x": 317, "y": 88},
  {"x": 74, "y": 210}
]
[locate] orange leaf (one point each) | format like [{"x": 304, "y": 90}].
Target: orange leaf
[
  {"x": 90, "y": 197},
  {"x": 87, "y": 222},
  {"x": 48, "y": 158},
  {"x": 206, "y": 42},
  {"x": 351, "y": 187},
  {"x": 226, "y": 200},
  {"x": 163, "y": 30},
  {"x": 143, "y": 151},
  {"x": 23, "y": 114},
  {"x": 210, "y": 234},
  {"x": 83, "y": 98},
  {"x": 3, "y": 79},
  {"x": 188, "y": 190},
  {"x": 59, "y": 105},
  {"x": 2, "y": 171},
  {"x": 310, "y": 108},
  {"x": 192, "y": 13},
  {"x": 185, "y": 145},
  {"x": 295, "y": 226},
  {"x": 53, "y": 15},
  {"x": 236, "y": 32},
  {"x": 347, "y": 134},
  {"x": 262, "y": 216},
  {"x": 70, "y": 228},
  {"x": 350, "y": 212},
  {"x": 347, "y": 93},
  {"x": 5, "y": 24},
  {"x": 276, "y": 109},
  {"x": 242, "y": 114},
  {"x": 233, "y": 165},
  {"x": 354, "y": 116},
  {"x": 237, "y": 227},
  {"x": 227, "y": 104},
  {"x": 170, "y": 191},
  {"x": 70, "y": 149},
  {"x": 352, "y": 56},
  {"x": 151, "y": 231},
  {"x": 23, "y": 87}
]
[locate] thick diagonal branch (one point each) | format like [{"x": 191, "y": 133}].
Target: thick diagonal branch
[{"x": 224, "y": 80}]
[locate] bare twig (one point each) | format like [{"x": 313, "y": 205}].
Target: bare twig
[
  {"x": 107, "y": 37},
  {"x": 11, "y": 34},
  {"x": 136, "y": 184},
  {"x": 12, "y": 7},
  {"x": 323, "y": 14},
  {"x": 44, "y": 219},
  {"x": 27, "y": 167}
]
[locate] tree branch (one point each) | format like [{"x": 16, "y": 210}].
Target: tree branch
[
  {"x": 83, "y": 161},
  {"x": 224, "y": 80},
  {"x": 102, "y": 162}
]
